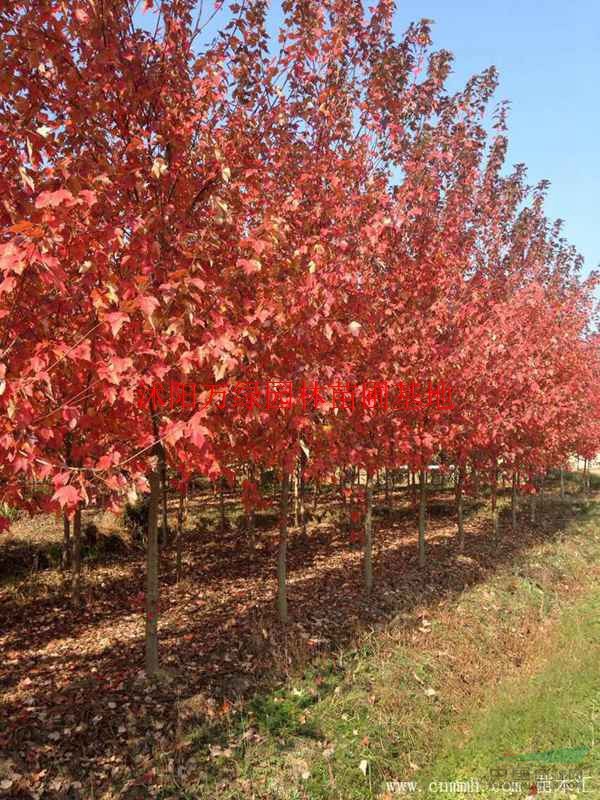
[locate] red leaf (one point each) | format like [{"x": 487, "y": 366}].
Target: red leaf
[
  {"x": 249, "y": 265},
  {"x": 67, "y": 496},
  {"x": 88, "y": 196},
  {"x": 196, "y": 431},
  {"x": 54, "y": 198},
  {"x": 147, "y": 304},
  {"x": 116, "y": 319}
]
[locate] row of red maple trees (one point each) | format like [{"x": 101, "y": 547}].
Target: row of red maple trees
[{"x": 323, "y": 212}]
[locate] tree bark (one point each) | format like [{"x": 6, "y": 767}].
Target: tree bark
[
  {"x": 513, "y": 502},
  {"x": 562, "y": 484},
  {"x": 282, "y": 554},
  {"x": 302, "y": 490},
  {"x": 76, "y": 561},
  {"x": 532, "y": 504},
  {"x": 495, "y": 500},
  {"x": 152, "y": 578},
  {"x": 222, "y": 503},
  {"x": 66, "y": 548},
  {"x": 164, "y": 497},
  {"x": 460, "y": 510},
  {"x": 67, "y": 555},
  {"x": 368, "y": 547},
  {"x": 475, "y": 475},
  {"x": 422, "y": 515},
  {"x": 179, "y": 537},
  {"x": 296, "y": 493}
]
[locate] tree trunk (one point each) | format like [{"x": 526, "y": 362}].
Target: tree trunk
[
  {"x": 513, "y": 502},
  {"x": 67, "y": 556},
  {"x": 66, "y": 548},
  {"x": 495, "y": 500},
  {"x": 282, "y": 555},
  {"x": 296, "y": 498},
  {"x": 179, "y": 537},
  {"x": 316, "y": 494},
  {"x": 163, "y": 491},
  {"x": 475, "y": 475},
  {"x": 302, "y": 490},
  {"x": 562, "y": 484},
  {"x": 422, "y": 515},
  {"x": 76, "y": 563},
  {"x": 152, "y": 578},
  {"x": 532, "y": 504},
  {"x": 368, "y": 551},
  {"x": 222, "y": 503},
  {"x": 459, "y": 510},
  {"x": 252, "y": 512},
  {"x": 586, "y": 477},
  {"x": 387, "y": 487}
]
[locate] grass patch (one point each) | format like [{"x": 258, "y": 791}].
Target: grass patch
[{"x": 509, "y": 665}]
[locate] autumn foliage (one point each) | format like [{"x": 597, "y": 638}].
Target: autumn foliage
[{"x": 319, "y": 209}]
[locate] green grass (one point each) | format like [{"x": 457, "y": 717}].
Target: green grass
[
  {"x": 396, "y": 709},
  {"x": 556, "y": 708}
]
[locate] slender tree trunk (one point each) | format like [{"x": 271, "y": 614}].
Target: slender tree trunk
[
  {"x": 222, "y": 503},
  {"x": 387, "y": 487},
  {"x": 460, "y": 510},
  {"x": 368, "y": 551},
  {"x": 413, "y": 479},
  {"x": 316, "y": 494},
  {"x": 76, "y": 563},
  {"x": 422, "y": 515},
  {"x": 162, "y": 462},
  {"x": 562, "y": 484},
  {"x": 586, "y": 477},
  {"x": 152, "y": 578},
  {"x": 282, "y": 555},
  {"x": 532, "y": 505},
  {"x": 66, "y": 548},
  {"x": 179, "y": 538},
  {"x": 252, "y": 512},
  {"x": 296, "y": 499},
  {"x": 67, "y": 556},
  {"x": 302, "y": 491},
  {"x": 513, "y": 502},
  {"x": 475, "y": 480},
  {"x": 495, "y": 500}
]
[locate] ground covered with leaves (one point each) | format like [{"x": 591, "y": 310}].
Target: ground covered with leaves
[{"x": 80, "y": 720}]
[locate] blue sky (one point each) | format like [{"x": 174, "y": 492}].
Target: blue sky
[{"x": 548, "y": 56}]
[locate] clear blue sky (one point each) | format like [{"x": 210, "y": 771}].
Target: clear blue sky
[{"x": 548, "y": 56}]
